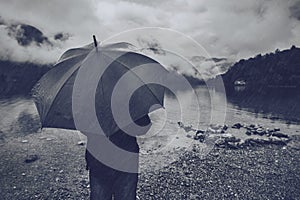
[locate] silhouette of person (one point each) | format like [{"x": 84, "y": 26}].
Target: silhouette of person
[{"x": 106, "y": 182}]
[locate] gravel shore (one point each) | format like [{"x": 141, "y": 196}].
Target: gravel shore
[
  {"x": 51, "y": 165},
  {"x": 261, "y": 172}
]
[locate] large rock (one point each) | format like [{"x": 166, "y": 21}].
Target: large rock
[
  {"x": 270, "y": 140},
  {"x": 279, "y": 135},
  {"x": 279, "y": 141},
  {"x": 232, "y": 139}
]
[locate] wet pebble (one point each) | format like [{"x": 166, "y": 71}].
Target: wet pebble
[
  {"x": 31, "y": 158},
  {"x": 237, "y": 126},
  {"x": 81, "y": 143}
]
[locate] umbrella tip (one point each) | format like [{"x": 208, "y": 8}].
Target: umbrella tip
[{"x": 95, "y": 41}]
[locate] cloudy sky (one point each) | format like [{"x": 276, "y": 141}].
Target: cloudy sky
[{"x": 232, "y": 29}]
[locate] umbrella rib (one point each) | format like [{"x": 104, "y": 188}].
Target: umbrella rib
[{"x": 129, "y": 69}]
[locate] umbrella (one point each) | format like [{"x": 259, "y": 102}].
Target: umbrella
[{"x": 55, "y": 92}]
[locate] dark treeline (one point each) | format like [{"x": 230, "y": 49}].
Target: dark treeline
[
  {"x": 265, "y": 74},
  {"x": 17, "y": 79}
]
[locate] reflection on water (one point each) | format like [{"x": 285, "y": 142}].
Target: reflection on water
[
  {"x": 18, "y": 117},
  {"x": 281, "y": 104},
  {"x": 239, "y": 88},
  {"x": 200, "y": 112}
]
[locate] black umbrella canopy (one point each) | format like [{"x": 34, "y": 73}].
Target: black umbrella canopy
[{"x": 53, "y": 92}]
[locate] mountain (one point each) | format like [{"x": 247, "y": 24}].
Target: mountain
[{"x": 26, "y": 34}]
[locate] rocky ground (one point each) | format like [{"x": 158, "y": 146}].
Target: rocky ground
[
  {"x": 258, "y": 172},
  {"x": 50, "y": 165},
  {"x": 45, "y": 165}
]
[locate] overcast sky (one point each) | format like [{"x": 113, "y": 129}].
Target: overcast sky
[{"x": 225, "y": 28}]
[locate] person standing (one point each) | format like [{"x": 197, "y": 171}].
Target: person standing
[{"x": 106, "y": 182}]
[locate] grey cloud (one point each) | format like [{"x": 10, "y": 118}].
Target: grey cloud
[
  {"x": 235, "y": 29},
  {"x": 62, "y": 36},
  {"x": 151, "y": 45},
  {"x": 295, "y": 10}
]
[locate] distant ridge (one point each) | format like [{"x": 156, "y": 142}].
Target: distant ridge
[{"x": 264, "y": 73}]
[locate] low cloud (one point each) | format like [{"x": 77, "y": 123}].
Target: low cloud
[
  {"x": 232, "y": 29},
  {"x": 14, "y": 50},
  {"x": 295, "y": 10}
]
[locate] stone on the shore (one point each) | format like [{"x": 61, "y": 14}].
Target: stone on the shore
[
  {"x": 276, "y": 129},
  {"x": 81, "y": 143},
  {"x": 186, "y": 128},
  {"x": 211, "y": 130},
  {"x": 229, "y": 141},
  {"x": 237, "y": 126},
  {"x": 31, "y": 158},
  {"x": 279, "y": 135},
  {"x": 180, "y": 124},
  {"x": 225, "y": 127},
  {"x": 270, "y": 140},
  {"x": 260, "y": 131},
  {"x": 200, "y": 137},
  {"x": 232, "y": 139},
  {"x": 248, "y": 132},
  {"x": 255, "y": 141},
  {"x": 220, "y": 141},
  {"x": 233, "y": 145},
  {"x": 217, "y": 128},
  {"x": 200, "y": 132},
  {"x": 279, "y": 141}
]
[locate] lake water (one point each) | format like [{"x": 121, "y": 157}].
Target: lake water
[{"x": 199, "y": 113}]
